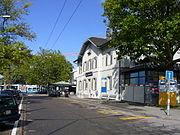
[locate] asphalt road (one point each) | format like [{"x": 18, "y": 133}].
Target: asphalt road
[{"x": 66, "y": 116}]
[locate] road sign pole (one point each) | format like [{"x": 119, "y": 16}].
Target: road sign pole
[
  {"x": 169, "y": 76},
  {"x": 168, "y": 100}
]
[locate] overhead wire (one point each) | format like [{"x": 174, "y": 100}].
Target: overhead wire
[
  {"x": 59, "y": 15},
  {"x": 67, "y": 23}
]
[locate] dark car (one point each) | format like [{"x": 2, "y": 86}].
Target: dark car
[
  {"x": 14, "y": 93},
  {"x": 9, "y": 110},
  {"x": 55, "y": 93}
]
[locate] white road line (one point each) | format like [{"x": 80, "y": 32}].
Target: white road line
[{"x": 14, "y": 131}]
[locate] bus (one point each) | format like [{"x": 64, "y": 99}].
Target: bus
[{"x": 31, "y": 89}]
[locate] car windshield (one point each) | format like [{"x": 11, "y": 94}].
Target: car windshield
[{"x": 6, "y": 101}]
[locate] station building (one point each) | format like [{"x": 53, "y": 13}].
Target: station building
[
  {"x": 100, "y": 75},
  {"x": 97, "y": 70}
]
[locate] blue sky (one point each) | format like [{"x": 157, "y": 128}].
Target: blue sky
[{"x": 86, "y": 22}]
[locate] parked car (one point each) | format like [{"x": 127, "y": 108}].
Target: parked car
[
  {"x": 14, "y": 93},
  {"x": 55, "y": 93},
  {"x": 9, "y": 110}
]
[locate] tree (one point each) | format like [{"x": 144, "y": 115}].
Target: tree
[
  {"x": 14, "y": 27},
  {"x": 145, "y": 29},
  {"x": 49, "y": 67},
  {"x": 12, "y": 59},
  {"x": 13, "y": 53}
]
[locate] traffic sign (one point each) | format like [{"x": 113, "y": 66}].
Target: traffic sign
[{"x": 169, "y": 75}]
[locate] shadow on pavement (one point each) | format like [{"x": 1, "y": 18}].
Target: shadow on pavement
[
  {"x": 6, "y": 126},
  {"x": 53, "y": 132},
  {"x": 35, "y": 110}
]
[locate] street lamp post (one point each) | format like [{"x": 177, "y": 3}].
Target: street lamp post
[{"x": 5, "y": 17}]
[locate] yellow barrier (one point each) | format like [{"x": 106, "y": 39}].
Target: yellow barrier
[{"x": 163, "y": 96}]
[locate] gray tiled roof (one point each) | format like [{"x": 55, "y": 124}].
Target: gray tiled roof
[{"x": 98, "y": 41}]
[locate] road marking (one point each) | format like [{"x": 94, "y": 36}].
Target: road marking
[
  {"x": 122, "y": 112},
  {"x": 14, "y": 131},
  {"x": 110, "y": 112},
  {"x": 99, "y": 106},
  {"x": 131, "y": 118}
]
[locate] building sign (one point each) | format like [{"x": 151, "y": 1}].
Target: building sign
[{"x": 89, "y": 74}]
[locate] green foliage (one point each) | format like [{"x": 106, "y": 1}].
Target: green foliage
[
  {"x": 14, "y": 54},
  {"x": 48, "y": 67},
  {"x": 12, "y": 58},
  {"x": 17, "y": 64},
  {"x": 13, "y": 28},
  {"x": 147, "y": 29}
]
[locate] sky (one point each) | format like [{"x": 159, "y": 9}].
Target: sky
[{"x": 86, "y": 22}]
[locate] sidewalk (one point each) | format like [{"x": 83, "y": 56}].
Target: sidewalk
[{"x": 136, "y": 108}]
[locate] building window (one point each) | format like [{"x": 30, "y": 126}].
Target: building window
[
  {"x": 89, "y": 84},
  {"x": 142, "y": 77},
  {"x": 106, "y": 59},
  {"x": 152, "y": 76},
  {"x": 89, "y": 65},
  {"x": 94, "y": 84},
  {"x": 126, "y": 78},
  {"x": 85, "y": 85},
  {"x": 80, "y": 85},
  {"x": 95, "y": 62},
  {"x": 92, "y": 64},
  {"x": 84, "y": 67},
  {"x": 134, "y": 78},
  {"x": 134, "y": 81},
  {"x": 134, "y": 74},
  {"x": 111, "y": 58},
  {"x": 80, "y": 69}
]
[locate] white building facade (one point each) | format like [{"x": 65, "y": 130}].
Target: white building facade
[
  {"x": 98, "y": 70},
  {"x": 101, "y": 75}
]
